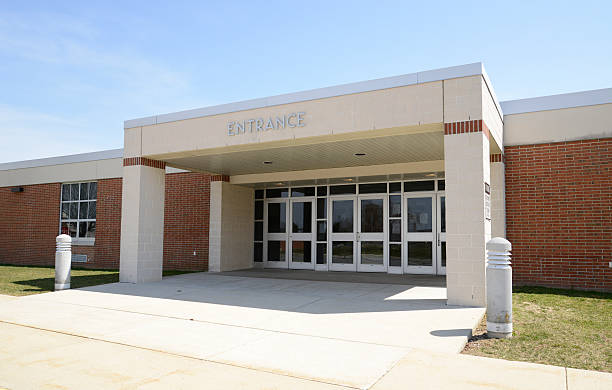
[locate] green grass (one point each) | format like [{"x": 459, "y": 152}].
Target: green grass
[
  {"x": 560, "y": 327},
  {"x": 26, "y": 280}
]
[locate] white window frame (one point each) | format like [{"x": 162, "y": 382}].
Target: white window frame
[{"x": 89, "y": 241}]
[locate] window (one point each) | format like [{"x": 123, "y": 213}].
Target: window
[{"x": 78, "y": 211}]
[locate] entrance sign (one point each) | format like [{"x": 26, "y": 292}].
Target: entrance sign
[{"x": 294, "y": 119}]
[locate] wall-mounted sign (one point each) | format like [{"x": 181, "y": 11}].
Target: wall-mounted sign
[
  {"x": 487, "y": 198},
  {"x": 294, "y": 119}
]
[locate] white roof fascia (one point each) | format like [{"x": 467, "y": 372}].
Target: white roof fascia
[
  {"x": 73, "y": 158},
  {"x": 557, "y": 102},
  {"x": 314, "y": 94}
]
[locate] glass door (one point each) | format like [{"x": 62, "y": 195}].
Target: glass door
[
  {"x": 342, "y": 233},
  {"x": 441, "y": 232},
  {"x": 301, "y": 236},
  {"x": 276, "y": 220},
  {"x": 421, "y": 243},
  {"x": 371, "y": 238}
]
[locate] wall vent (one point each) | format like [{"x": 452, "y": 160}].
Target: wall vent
[{"x": 79, "y": 258}]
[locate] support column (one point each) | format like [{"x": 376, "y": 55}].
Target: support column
[
  {"x": 231, "y": 226},
  {"x": 142, "y": 220},
  {"x": 498, "y": 196},
  {"x": 468, "y": 228}
]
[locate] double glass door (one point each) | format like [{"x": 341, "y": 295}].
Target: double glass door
[
  {"x": 425, "y": 234},
  {"x": 358, "y": 239},
  {"x": 289, "y": 238}
]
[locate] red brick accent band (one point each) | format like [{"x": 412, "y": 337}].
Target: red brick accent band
[
  {"x": 497, "y": 157},
  {"x": 220, "y": 178},
  {"x": 473, "y": 126},
  {"x": 147, "y": 162}
]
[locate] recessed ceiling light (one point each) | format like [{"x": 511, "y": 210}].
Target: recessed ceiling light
[
  {"x": 359, "y": 154},
  {"x": 267, "y": 162},
  {"x": 349, "y": 179},
  {"x": 431, "y": 175}
]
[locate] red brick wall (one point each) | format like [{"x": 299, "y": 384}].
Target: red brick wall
[
  {"x": 108, "y": 223},
  {"x": 559, "y": 213},
  {"x": 29, "y": 223},
  {"x": 186, "y": 221}
]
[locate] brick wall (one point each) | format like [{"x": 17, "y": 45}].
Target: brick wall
[
  {"x": 29, "y": 223},
  {"x": 186, "y": 221},
  {"x": 559, "y": 213}
]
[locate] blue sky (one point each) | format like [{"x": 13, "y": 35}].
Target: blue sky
[{"x": 72, "y": 72}]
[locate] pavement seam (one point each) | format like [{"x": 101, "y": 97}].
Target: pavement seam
[
  {"x": 181, "y": 355},
  {"x": 230, "y": 325},
  {"x": 386, "y": 372},
  {"x": 566, "y": 384}
]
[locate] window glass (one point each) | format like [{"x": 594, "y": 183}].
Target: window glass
[
  {"x": 342, "y": 216},
  {"x": 78, "y": 209},
  {"x": 395, "y": 255},
  {"x": 258, "y": 231},
  {"x": 321, "y": 231},
  {"x": 322, "y": 253},
  {"x": 259, "y": 194},
  {"x": 394, "y": 188},
  {"x": 373, "y": 188},
  {"x": 419, "y": 214},
  {"x": 412, "y": 186},
  {"x": 322, "y": 191},
  {"x": 259, "y": 206},
  {"x": 303, "y": 191},
  {"x": 258, "y": 252},
  {"x": 321, "y": 208},
  {"x": 441, "y": 185},
  {"x": 395, "y": 230},
  {"x": 277, "y": 217},
  {"x": 342, "y": 189},
  {"x": 395, "y": 206},
  {"x": 277, "y": 193},
  {"x": 302, "y": 217}
]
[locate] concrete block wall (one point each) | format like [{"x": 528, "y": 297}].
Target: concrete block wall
[{"x": 559, "y": 213}]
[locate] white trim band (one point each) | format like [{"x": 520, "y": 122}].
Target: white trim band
[
  {"x": 557, "y": 102},
  {"x": 499, "y": 327}
]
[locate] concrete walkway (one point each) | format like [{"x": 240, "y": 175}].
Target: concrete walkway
[{"x": 217, "y": 331}]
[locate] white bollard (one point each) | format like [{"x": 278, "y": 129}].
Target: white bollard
[
  {"x": 63, "y": 261},
  {"x": 499, "y": 289}
]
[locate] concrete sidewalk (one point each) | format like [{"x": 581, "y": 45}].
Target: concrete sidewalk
[{"x": 37, "y": 359}]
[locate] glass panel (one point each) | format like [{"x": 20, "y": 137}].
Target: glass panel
[
  {"x": 258, "y": 236},
  {"x": 92, "y": 210},
  {"x": 395, "y": 206},
  {"x": 441, "y": 185},
  {"x": 84, "y": 191},
  {"x": 322, "y": 253},
  {"x": 419, "y": 253},
  {"x": 74, "y": 191},
  {"x": 276, "y": 250},
  {"x": 343, "y": 189},
  {"x": 372, "y": 252},
  {"x": 258, "y": 252},
  {"x": 395, "y": 230},
  {"x": 74, "y": 210},
  {"x": 301, "y": 251},
  {"x": 372, "y": 215},
  {"x": 321, "y": 191},
  {"x": 342, "y": 216},
  {"x": 69, "y": 228},
  {"x": 373, "y": 188},
  {"x": 395, "y": 255},
  {"x": 394, "y": 188},
  {"x": 321, "y": 231},
  {"x": 87, "y": 229},
  {"x": 443, "y": 214},
  {"x": 65, "y": 210},
  {"x": 277, "y": 193},
  {"x": 321, "y": 208},
  {"x": 93, "y": 190},
  {"x": 303, "y": 191},
  {"x": 277, "y": 218},
  {"x": 443, "y": 250},
  {"x": 302, "y": 217},
  {"x": 342, "y": 252},
  {"x": 65, "y": 191},
  {"x": 411, "y": 186},
  {"x": 419, "y": 214},
  {"x": 83, "y": 210},
  {"x": 259, "y": 194},
  {"x": 259, "y": 207}
]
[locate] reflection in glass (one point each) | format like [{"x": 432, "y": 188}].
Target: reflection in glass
[
  {"x": 74, "y": 210},
  {"x": 65, "y": 191},
  {"x": 302, "y": 217},
  {"x": 65, "y": 210},
  {"x": 372, "y": 216},
  {"x": 372, "y": 252},
  {"x": 419, "y": 214},
  {"x": 322, "y": 253},
  {"x": 84, "y": 191},
  {"x": 395, "y": 255},
  {"x": 74, "y": 191},
  {"x": 277, "y": 193},
  {"x": 92, "y": 210},
  {"x": 395, "y": 230},
  {"x": 276, "y": 217},
  {"x": 342, "y": 216},
  {"x": 395, "y": 206},
  {"x": 83, "y": 210},
  {"x": 69, "y": 228},
  {"x": 321, "y": 231},
  {"x": 419, "y": 253},
  {"x": 93, "y": 190},
  {"x": 302, "y": 191},
  {"x": 342, "y": 252},
  {"x": 276, "y": 250},
  {"x": 301, "y": 251}
]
